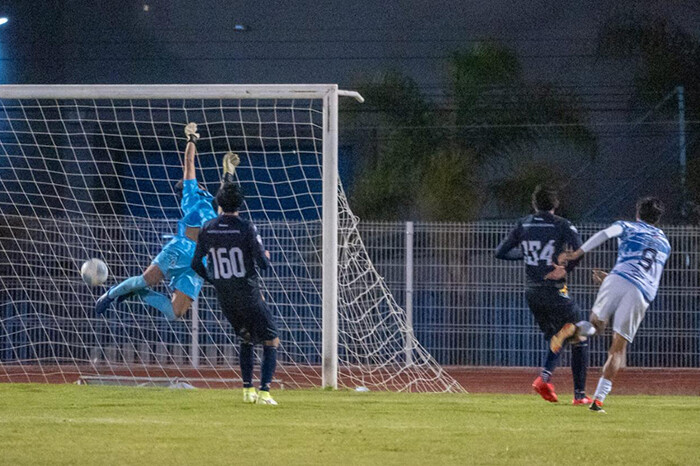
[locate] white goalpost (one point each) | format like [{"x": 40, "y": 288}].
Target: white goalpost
[{"x": 89, "y": 171}]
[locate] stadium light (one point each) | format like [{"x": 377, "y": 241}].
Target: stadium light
[{"x": 3, "y": 20}]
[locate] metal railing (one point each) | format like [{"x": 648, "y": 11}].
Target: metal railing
[{"x": 469, "y": 308}]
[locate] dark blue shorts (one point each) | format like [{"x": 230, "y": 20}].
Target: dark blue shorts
[
  {"x": 552, "y": 308},
  {"x": 253, "y": 324}
]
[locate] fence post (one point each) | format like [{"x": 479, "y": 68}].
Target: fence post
[
  {"x": 194, "y": 343},
  {"x": 408, "y": 340}
]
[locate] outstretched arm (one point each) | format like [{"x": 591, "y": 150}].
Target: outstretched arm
[
  {"x": 231, "y": 161},
  {"x": 593, "y": 242},
  {"x": 572, "y": 242},
  {"x": 188, "y": 171}
]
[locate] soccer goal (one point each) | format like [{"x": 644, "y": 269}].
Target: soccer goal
[{"x": 89, "y": 171}]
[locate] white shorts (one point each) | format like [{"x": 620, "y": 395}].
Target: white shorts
[{"x": 621, "y": 299}]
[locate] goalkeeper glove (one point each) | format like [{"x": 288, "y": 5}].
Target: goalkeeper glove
[
  {"x": 191, "y": 132},
  {"x": 231, "y": 161}
]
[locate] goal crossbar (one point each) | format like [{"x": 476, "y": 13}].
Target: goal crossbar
[{"x": 173, "y": 91}]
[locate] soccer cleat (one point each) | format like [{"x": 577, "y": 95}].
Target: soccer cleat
[
  {"x": 557, "y": 341},
  {"x": 597, "y": 406},
  {"x": 581, "y": 401},
  {"x": 103, "y": 303},
  {"x": 250, "y": 395},
  {"x": 264, "y": 398},
  {"x": 545, "y": 390}
]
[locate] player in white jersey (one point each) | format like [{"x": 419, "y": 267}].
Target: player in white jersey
[{"x": 629, "y": 288}]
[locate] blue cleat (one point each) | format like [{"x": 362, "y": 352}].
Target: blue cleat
[{"x": 103, "y": 303}]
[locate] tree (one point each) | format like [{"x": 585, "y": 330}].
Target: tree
[
  {"x": 445, "y": 161},
  {"x": 667, "y": 57}
]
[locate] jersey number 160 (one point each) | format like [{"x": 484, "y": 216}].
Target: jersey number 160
[{"x": 226, "y": 267}]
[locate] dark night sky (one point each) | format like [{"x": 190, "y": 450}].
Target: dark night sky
[
  {"x": 339, "y": 42},
  {"x": 174, "y": 41}
]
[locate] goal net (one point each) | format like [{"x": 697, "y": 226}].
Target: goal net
[{"x": 89, "y": 172}]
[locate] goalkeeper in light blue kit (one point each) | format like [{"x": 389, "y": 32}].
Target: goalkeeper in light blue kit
[{"x": 173, "y": 262}]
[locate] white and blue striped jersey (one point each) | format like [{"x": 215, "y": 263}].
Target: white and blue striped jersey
[{"x": 641, "y": 255}]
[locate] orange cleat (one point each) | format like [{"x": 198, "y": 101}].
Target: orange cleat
[
  {"x": 597, "y": 407},
  {"x": 545, "y": 390},
  {"x": 581, "y": 401},
  {"x": 558, "y": 340}
]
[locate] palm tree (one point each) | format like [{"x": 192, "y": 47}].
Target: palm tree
[{"x": 449, "y": 161}]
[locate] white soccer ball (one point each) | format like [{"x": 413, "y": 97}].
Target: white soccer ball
[{"x": 94, "y": 272}]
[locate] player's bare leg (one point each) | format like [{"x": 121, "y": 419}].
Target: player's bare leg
[
  {"x": 616, "y": 358},
  {"x": 267, "y": 371},
  {"x": 181, "y": 303},
  {"x": 153, "y": 275}
]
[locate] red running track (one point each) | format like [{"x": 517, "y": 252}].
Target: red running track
[{"x": 630, "y": 381}]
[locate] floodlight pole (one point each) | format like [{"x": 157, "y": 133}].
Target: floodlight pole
[{"x": 680, "y": 93}]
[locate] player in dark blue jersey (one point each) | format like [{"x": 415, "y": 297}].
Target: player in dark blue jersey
[
  {"x": 537, "y": 240},
  {"x": 234, "y": 253}
]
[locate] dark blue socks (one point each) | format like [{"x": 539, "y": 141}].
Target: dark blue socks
[
  {"x": 550, "y": 363},
  {"x": 246, "y": 361},
  {"x": 269, "y": 363},
  {"x": 267, "y": 369},
  {"x": 579, "y": 367}
]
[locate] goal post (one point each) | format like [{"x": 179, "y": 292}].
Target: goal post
[
  {"x": 88, "y": 171},
  {"x": 329, "y": 357}
]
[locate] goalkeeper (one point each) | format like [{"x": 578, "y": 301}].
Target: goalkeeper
[{"x": 173, "y": 262}]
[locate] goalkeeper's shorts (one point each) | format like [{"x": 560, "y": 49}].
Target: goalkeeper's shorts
[{"x": 174, "y": 261}]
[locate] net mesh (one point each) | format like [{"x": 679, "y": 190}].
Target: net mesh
[{"x": 95, "y": 178}]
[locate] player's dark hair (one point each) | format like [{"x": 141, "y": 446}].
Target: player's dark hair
[
  {"x": 649, "y": 210},
  {"x": 230, "y": 197},
  {"x": 545, "y": 198}
]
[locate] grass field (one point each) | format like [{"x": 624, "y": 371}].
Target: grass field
[{"x": 65, "y": 424}]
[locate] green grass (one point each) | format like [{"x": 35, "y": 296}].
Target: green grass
[{"x": 64, "y": 424}]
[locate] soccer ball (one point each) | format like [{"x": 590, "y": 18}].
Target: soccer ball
[{"x": 94, "y": 272}]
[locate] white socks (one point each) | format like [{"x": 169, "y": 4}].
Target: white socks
[{"x": 604, "y": 387}]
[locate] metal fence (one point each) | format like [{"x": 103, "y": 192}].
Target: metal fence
[
  {"x": 466, "y": 307},
  {"x": 469, "y": 308}
]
